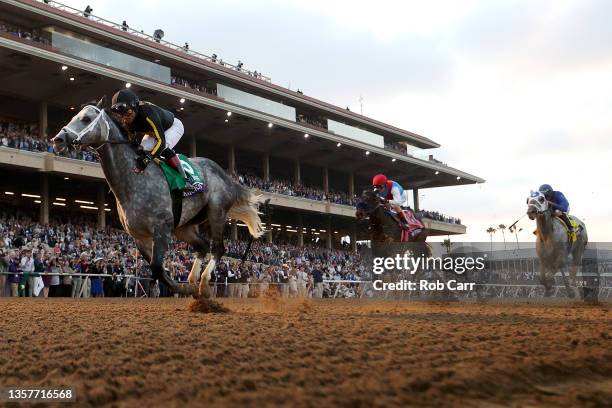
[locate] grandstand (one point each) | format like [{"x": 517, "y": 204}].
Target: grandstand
[{"x": 308, "y": 156}]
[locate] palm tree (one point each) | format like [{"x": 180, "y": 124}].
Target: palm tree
[
  {"x": 491, "y": 231},
  {"x": 502, "y": 227}
]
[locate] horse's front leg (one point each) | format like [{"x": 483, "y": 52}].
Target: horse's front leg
[{"x": 161, "y": 240}]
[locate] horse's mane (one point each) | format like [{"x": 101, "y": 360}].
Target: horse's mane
[{"x": 117, "y": 123}]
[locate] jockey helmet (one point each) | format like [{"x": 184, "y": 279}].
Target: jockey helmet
[
  {"x": 379, "y": 180},
  {"x": 546, "y": 189},
  {"x": 124, "y": 100}
]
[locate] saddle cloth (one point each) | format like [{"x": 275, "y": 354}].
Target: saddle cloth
[
  {"x": 177, "y": 182},
  {"x": 414, "y": 224},
  {"x": 576, "y": 227}
]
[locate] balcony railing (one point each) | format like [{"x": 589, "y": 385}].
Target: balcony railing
[{"x": 141, "y": 34}]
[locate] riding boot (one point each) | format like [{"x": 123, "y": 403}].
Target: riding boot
[
  {"x": 176, "y": 164},
  {"x": 567, "y": 221},
  {"x": 402, "y": 219}
]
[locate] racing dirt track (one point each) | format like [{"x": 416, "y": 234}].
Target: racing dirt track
[{"x": 309, "y": 353}]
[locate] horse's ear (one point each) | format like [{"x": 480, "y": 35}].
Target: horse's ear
[{"x": 101, "y": 103}]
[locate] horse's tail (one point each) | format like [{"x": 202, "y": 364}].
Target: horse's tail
[{"x": 245, "y": 209}]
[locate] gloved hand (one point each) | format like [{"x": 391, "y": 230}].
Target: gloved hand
[
  {"x": 141, "y": 163},
  {"x": 558, "y": 213}
]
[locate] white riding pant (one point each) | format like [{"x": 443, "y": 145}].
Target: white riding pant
[{"x": 173, "y": 135}]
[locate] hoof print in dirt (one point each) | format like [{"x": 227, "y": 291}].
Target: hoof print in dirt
[{"x": 207, "y": 306}]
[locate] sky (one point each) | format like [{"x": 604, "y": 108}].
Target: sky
[{"x": 516, "y": 92}]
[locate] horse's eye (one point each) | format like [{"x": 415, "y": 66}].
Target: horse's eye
[
  {"x": 541, "y": 199},
  {"x": 86, "y": 119}
]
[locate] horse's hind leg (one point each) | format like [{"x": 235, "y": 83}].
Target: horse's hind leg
[
  {"x": 189, "y": 234},
  {"x": 216, "y": 219}
]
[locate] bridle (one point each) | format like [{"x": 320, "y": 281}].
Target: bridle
[{"x": 100, "y": 117}]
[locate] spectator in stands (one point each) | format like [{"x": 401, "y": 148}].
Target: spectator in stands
[
  {"x": 67, "y": 271},
  {"x": 87, "y": 11},
  {"x": 124, "y": 26},
  {"x": 4, "y": 262},
  {"x": 27, "y": 267},
  {"x": 317, "y": 278}
]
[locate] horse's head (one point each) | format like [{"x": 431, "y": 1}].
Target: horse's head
[
  {"x": 366, "y": 204},
  {"x": 536, "y": 204},
  {"x": 88, "y": 127}
]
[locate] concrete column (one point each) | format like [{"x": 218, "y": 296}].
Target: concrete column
[
  {"x": 231, "y": 160},
  {"x": 100, "y": 204},
  {"x": 235, "y": 230},
  {"x": 351, "y": 184},
  {"x": 43, "y": 120},
  {"x": 44, "y": 199},
  {"x": 326, "y": 180},
  {"x": 300, "y": 232},
  {"x": 297, "y": 177},
  {"x": 266, "y": 167},
  {"x": 192, "y": 146},
  {"x": 415, "y": 198},
  {"x": 353, "y": 236}
]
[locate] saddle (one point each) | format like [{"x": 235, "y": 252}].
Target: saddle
[
  {"x": 176, "y": 182},
  {"x": 571, "y": 234}
]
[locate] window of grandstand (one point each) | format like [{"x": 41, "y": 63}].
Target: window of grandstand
[{"x": 85, "y": 48}]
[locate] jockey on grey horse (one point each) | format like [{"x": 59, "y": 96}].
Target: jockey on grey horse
[
  {"x": 556, "y": 245},
  {"x": 558, "y": 203},
  {"x": 149, "y": 122},
  {"x": 145, "y": 204}
]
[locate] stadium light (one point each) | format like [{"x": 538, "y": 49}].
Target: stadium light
[
  {"x": 60, "y": 204},
  {"x": 270, "y": 124},
  {"x": 458, "y": 177},
  {"x": 66, "y": 178},
  {"x": 60, "y": 199},
  {"x": 367, "y": 153},
  {"x": 226, "y": 120},
  {"x": 306, "y": 135},
  {"x": 107, "y": 209},
  {"x": 37, "y": 201},
  {"x": 72, "y": 108},
  {"x": 87, "y": 207},
  {"x": 83, "y": 202},
  {"x": 229, "y": 113},
  {"x": 9, "y": 193},
  {"x": 128, "y": 85},
  {"x": 437, "y": 172},
  {"x": 64, "y": 67},
  {"x": 72, "y": 78},
  {"x": 30, "y": 195},
  {"x": 182, "y": 108},
  {"x": 393, "y": 160},
  {"x": 182, "y": 100},
  {"x": 339, "y": 144}
]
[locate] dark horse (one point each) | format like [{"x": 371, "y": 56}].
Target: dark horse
[
  {"x": 383, "y": 227},
  {"x": 385, "y": 232}
]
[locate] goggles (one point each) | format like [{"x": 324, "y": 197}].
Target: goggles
[{"x": 121, "y": 107}]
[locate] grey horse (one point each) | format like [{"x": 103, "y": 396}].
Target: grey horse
[
  {"x": 552, "y": 244},
  {"x": 145, "y": 204}
]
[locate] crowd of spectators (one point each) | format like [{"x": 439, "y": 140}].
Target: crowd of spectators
[
  {"x": 396, "y": 147},
  {"x": 175, "y": 80},
  {"x": 24, "y": 136},
  {"x": 313, "y": 121},
  {"x": 29, "y": 250},
  {"x": 289, "y": 188},
  {"x": 436, "y": 216},
  {"x": 25, "y": 34}
]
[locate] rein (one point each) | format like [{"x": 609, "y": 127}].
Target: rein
[{"x": 88, "y": 128}]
